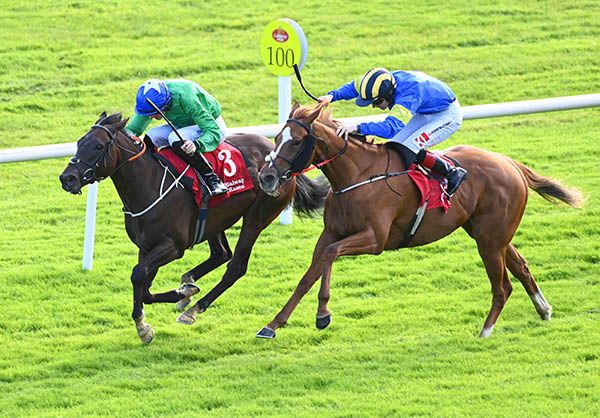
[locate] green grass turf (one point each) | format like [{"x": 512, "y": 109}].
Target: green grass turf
[{"x": 403, "y": 338}]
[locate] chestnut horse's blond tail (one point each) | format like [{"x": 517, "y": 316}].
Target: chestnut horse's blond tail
[{"x": 549, "y": 189}]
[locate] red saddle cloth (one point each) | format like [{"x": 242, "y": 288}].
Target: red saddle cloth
[
  {"x": 227, "y": 162},
  {"x": 431, "y": 188}
]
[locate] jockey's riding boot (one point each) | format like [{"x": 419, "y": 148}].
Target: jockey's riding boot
[
  {"x": 454, "y": 175},
  {"x": 214, "y": 184}
]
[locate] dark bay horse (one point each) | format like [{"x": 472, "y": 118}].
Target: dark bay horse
[
  {"x": 375, "y": 217},
  {"x": 163, "y": 233}
]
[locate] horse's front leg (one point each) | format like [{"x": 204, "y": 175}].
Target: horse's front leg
[
  {"x": 141, "y": 279},
  {"x": 144, "y": 330},
  {"x": 308, "y": 280},
  {"x": 365, "y": 242}
]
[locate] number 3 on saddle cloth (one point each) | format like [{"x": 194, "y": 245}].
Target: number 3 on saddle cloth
[{"x": 227, "y": 162}]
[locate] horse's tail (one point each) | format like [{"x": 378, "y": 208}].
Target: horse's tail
[
  {"x": 549, "y": 189},
  {"x": 310, "y": 194}
]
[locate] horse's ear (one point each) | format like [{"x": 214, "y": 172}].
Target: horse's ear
[
  {"x": 295, "y": 106},
  {"x": 312, "y": 116},
  {"x": 102, "y": 116},
  {"x": 120, "y": 124}
]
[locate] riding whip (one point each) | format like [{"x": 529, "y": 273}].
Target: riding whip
[
  {"x": 299, "y": 77},
  {"x": 172, "y": 126}
]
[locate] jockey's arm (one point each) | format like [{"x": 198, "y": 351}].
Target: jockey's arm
[
  {"x": 345, "y": 92},
  {"x": 211, "y": 134},
  {"x": 387, "y": 128},
  {"x": 138, "y": 124}
]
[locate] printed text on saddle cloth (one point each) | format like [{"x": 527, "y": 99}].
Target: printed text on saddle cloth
[{"x": 227, "y": 162}]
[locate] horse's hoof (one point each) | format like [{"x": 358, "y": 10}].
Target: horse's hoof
[
  {"x": 266, "y": 332},
  {"x": 186, "y": 319},
  {"x": 546, "y": 315},
  {"x": 323, "y": 321},
  {"x": 146, "y": 335},
  {"x": 187, "y": 278},
  {"x": 187, "y": 290},
  {"x": 183, "y": 303},
  {"x": 486, "y": 332}
]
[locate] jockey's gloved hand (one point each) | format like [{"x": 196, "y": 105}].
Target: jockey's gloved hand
[
  {"x": 344, "y": 130},
  {"x": 188, "y": 147},
  {"x": 132, "y": 136},
  {"x": 326, "y": 99}
]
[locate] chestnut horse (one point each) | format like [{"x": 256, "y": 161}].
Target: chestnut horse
[
  {"x": 167, "y": 229},
  {"x": 371, "y": 218}
]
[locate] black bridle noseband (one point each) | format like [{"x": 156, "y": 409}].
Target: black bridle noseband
[
  {"x": 298, "y": 164},
  {"x": 89, "y": 174}
]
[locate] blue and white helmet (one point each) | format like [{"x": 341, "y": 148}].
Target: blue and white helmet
[{"x": 154, "y": 90}]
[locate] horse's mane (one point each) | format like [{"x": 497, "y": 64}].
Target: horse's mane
[{"x": 326, "y": 119}]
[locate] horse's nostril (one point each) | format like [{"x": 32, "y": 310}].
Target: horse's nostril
[
  {"x": 269, "y": 178},
  {"x": 67, "y": 180}
]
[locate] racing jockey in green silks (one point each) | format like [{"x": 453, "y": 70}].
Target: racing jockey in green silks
[{"x": 196, "y": 115}]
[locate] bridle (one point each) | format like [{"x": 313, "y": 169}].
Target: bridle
[
  {"x": 298, "y": 164},
  {"x": 89, "y": 174}
]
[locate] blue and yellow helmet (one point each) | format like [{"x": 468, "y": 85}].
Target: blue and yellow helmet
[
  {"x": 155, "y": 90},
  {"x": 375, "y": 84}
]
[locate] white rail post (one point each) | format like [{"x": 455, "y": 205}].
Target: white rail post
[
  {"x": 285, "y": 107},
  {"x": 90, "y": 226},
  {"x": 283, "y": 45}
]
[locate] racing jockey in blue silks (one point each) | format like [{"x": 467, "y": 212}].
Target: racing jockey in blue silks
[
  {"x": 196, "y": 115},
  {"x": 435, "y": 109}
]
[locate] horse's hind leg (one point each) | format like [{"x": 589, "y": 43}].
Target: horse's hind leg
[
  {"x": 261, "y": 213},
  {"x": 220, "y": 253},
  {"x": 235, "y": 269},
  {"x": 517, "y": 265},
  {"x": 495, "y": 266}
]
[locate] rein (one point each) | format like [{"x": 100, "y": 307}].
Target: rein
[
  {"x": 91, "y": 168},
  {"x": 370, "y": 180},
  {"x": 300, "y": 160},
  {"x": 161, "y": 194},
  {"x": 304, "y": 153},
  {"x": 322, "y": 163}
]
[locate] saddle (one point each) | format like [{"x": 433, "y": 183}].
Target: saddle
[{"x": 227, "y": 162}]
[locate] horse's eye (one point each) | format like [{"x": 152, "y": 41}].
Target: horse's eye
[{"x": 99, "y": 146}]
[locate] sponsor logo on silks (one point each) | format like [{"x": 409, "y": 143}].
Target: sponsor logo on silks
[
  {"x": 235, "y": 185},
  {"x": 280, "y": 35},
  {"x": 440, "y": 127},
  {"x": 422, "y": 139}
]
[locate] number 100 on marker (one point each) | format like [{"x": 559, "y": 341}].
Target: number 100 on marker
[
  {"x": 282, "y": 45},
  {"x": 281, "y": 57}
]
